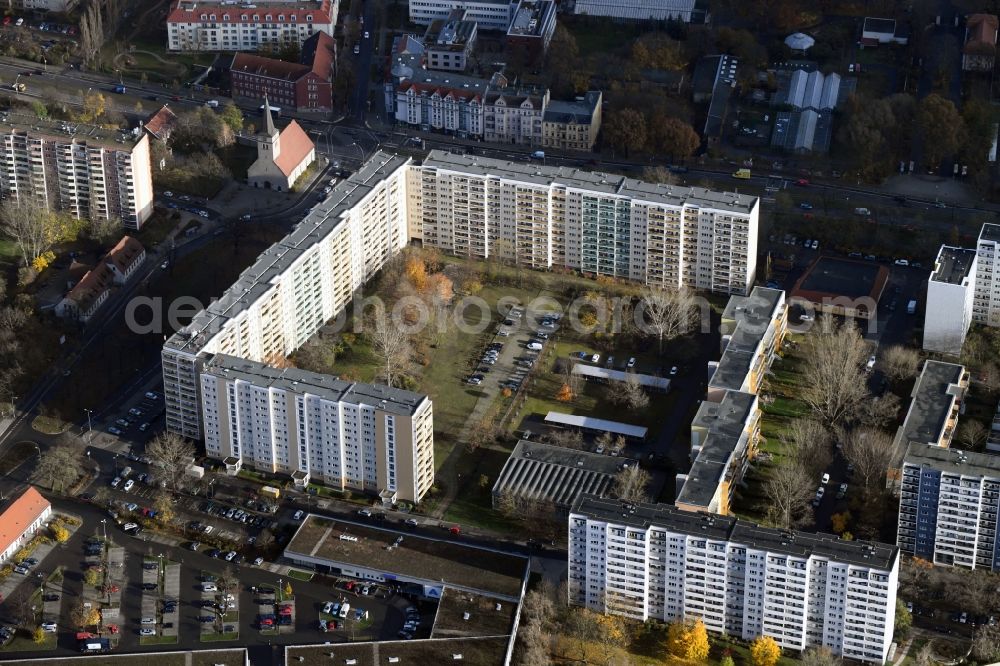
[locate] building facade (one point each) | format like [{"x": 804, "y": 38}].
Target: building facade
[
  {"x": 448, "y": 43},
  {"x": 599, "y": 224},
  {"x": 986, "y": 301},
  {"x": 349, "y": 436},
  {"x": 85, "y": 171},
  {"x": 514, "y": 116},
  {"x": 639, "y": 11},
  {"x": 488, "y": 14},
  {"x": 44, "y": 5},
  {"x": 949, "y": 501},
  {"x": 980, "y": 50},
  {"x": 20, "y": 520},
  {"x": 950, "y": 293},
  {"x": 294, "y": 287},
  {"x": 573, "y": 125},
  {"x": 654, "y": 561},
  {"x": 305, "y": 86},
  {"x": 226, "y": 25}
]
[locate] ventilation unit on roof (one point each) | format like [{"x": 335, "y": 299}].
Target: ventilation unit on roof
[{"x": 466, "y": 615}]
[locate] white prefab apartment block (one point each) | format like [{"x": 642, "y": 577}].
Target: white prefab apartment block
[
  {"x": 488, "y": 14},
  {"x": 600, "y": 224},
  {"x": 228, "y": 25},
  {"x": 950, "y": 292},
  {"x": 347, "y": 435},
  {"x": 986, "y": 302},
  {"x": 654, "y": 561},
  {"x": 295, "y": 286},
  {"x": 83, "y": 170},
  {"x": 949, "y": 501},
  {"x": 638, "y": 10}
]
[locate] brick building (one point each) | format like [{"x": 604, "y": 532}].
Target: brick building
[{"x": 303, "y": 86}]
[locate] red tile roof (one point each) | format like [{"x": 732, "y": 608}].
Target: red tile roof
[
  {"x": 442, "y": 91},
  {"x": 320, "y": 51},
  {"x": 269, "y": 67},
  {"x": 161, "y": 121},
  {"x": 21, "y": 513},
  {"x": 190, "y": 11},
  {"x": 97, "y": 280},
  {"x": 295, "y": 145},
  {"x": 124, "y": 254},
  {"x": 982, "y": 34}
]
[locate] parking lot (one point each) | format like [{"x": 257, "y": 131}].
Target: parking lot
[{"x": 513, "y": 353}]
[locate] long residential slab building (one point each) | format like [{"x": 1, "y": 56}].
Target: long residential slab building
[
  {"x": 84, "y": 170},
  {"x": 539, "y": 217},
  {"x": 654, "y": 561}
]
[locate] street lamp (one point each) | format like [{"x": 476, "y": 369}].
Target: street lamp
[
  {"x": 89, "y": 428},
  {"x": 360, "y": 150}
]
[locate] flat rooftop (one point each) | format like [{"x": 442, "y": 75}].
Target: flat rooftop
[
  {"x": 953, "y": 461},
  {"x": 592, "y": 181},
  {"x": 260, "y": 278},
  {"x": 529, "y": 20},
  {"x": 747, "y": 319},
  {"x": 990, "y": 232},
  {"x": 933, "y": 397},
  {"x": 414, "y": 557},
  {"x": 293, "y": 380},
  {"x": 67, "y": 132},
  {"x": 953, "y": 264},
  {"x": 474, "y": 652},
  {"x": 831, "y": 277},
  {"x": 737, "y": 531},
  {"x": 590, "y": 423},
  {"x": 882, "y": 25},
  {"x": 725, "y": 422},
  {"x": 199, "y": 657},
  {"x": 556, "y": 474},
  {"x": 484, "y": 618}
]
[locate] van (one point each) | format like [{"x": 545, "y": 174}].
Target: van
[
  {"x": 535, "y": 346},
  {"x": 212, "y": 103},
  {"x": 538, "y": 155}
]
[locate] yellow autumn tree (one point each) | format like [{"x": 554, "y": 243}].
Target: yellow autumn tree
[
  {"x": 688, "y": 640},
  {"x": 60, "y": 533},
  {"x": 840, "y": 521},
  {"x": 416, "y": 272},
  {"x": 764, "y": 651},
  {"x": 565, "y": 393}
]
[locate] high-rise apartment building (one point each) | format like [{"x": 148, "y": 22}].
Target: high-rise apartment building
[
  {"x": 654, "y": 561},
  {"x": 949, "y": 501},
  {"x": 986, "y": 301},
  {"x": 348, "y": 435},
  {"x": 231, "y": 25},
  {"x": 950, "y": 292},
  {"x": 295, "y": 286},
  {"x": 600, "y": 224},
  {"x": 83, "y": 170}
]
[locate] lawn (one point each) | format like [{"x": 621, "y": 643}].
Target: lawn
[
  {"x": 9, "y": 252},
  {"x": 226, "y": 636},
  {"x": 23, "y": 643},
  {"x": 301, "y": 575},
  {"x": 17, "y": 456},
  {"x": 157, "y": 227}
]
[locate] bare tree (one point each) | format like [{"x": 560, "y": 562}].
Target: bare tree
[
  {"x": 986, "y": 644},
  {"x": 819, "y": 656},
  {"x": 28, "y": 224},
  {"x": 879, "y": 412},
  {"x": 571, "y": 439},
  {"x": 58, "y": 467},
  {"x": 925, "y": 657},
  {"x": 172, "y": 454},
  {"x": 392, "y": 344},
  {"x": 808, "y": 444},
  {"x": 833, "y": 383},
  {"x": 900, "y": 362},
  {"x": 666, "y": 313},
  {"x": 788, "y": 490},
  {"x": 629, "y": 394},
  {"x": 972, "y": 433},
  {"x": 870, "y": 451},
  {"x": 534, "y": 644},
  {"x": 978, "y": 589},
  {"x": 631, "y": 484}
]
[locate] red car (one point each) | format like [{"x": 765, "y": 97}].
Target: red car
[
  {"x": 331, "y": 624},
  {"x": 6, "y": 20},
  {"x": 456, "y": 530},
  {"x": 802, "y": 182}
]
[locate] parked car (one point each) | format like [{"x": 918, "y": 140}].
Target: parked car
[{"x": 298, "y": 515}]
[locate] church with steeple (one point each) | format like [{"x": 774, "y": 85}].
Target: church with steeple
[{"x": 281, "y": 156}]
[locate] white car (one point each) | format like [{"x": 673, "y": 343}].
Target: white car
[
  {"x": 147, "y": 632},
  {"x": 230, "y": 555},
  {"x": 871, "y": 363},
  {"x": 165, "y": 264},
  {"x": 129, "y": 484},
  {"x": 209, "y": 587},
  {"x": 327, "y": 606},
  {"x": 19, "y": 21},
  {"x": 826, "y": 478},
  {"x": 631, "y": 362},
  {"x": 168, "y": 194},
  {"x": 148, "y": 620},
  {"x": 298, "y": 515},
  {"x": 116, "y": 481},
  {"x": 207, "y": 529},
  {"x": 259, "y": 561},
  {"x": 50, "y": 627},
  {"x": 366, "y": 34}
]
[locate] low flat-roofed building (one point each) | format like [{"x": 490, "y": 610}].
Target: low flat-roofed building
[
  {"x": 596, "y": 425},
  {"x": 723, "y": 441},
  {"x": 198, "y": 657},
  {"x": 950, "y": 294},
  {"x": 556, "y": 475},
  {"x": 883, "y": 31},
  {"x": 448, "y": 43},
  {"x": 411, "y": 563},
  {"x": 487, "y": 615},
  {"x": 608, "y": 375},
  {"x": 486, "y": 651},
  {"x": 657, "y": 562},
  {"x": 933, "y": 413},
  {"x": 948, "y": 505},
  {"x": 20, "y": 519},
  {"x": 842, "y": 287}
]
